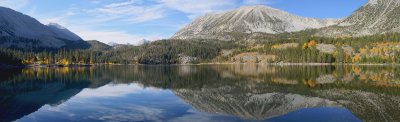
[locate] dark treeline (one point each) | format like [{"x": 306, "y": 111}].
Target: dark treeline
[
  {"x": 367, "y": 49},
  {"x": 159, "y": 52},
  {"x": 60, "y": 57},
  {"x": 168, "y": 51},
  {"x": 8, "y": 57}
]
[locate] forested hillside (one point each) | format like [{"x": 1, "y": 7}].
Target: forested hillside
[
  {"x": 383, "y": 48},
  {"x": 158, "y": 52}
]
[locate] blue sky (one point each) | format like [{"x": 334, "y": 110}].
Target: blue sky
[{"x": 129, "y": 21}]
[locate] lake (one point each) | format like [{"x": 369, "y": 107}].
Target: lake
[{"x": 242, "y": 92}]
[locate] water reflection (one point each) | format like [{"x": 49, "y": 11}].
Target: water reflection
[{"x": 204, "y": 93}]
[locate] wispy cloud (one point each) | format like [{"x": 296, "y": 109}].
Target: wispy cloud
[
  {"x": 58, "y": 19},
  {"x": 125, "y": 3},
  {"x": 131, "y": 11},
  {"x": 107, "y": 36},
  {"x": 257, "y": 2},
  {"x": 199, "y": 7},
  {"x": 85, "y": 23},
  {"x": 14, "y": 4},
  {"x": 115, "y": 90},
  {"x": 95, "y": 1},
  {"x": 113, "y": 20}
]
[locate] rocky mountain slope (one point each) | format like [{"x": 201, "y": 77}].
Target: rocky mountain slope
[
  {"x": 62, "y": 32},
  {"x": 375, "y": 17},
  {"x": 368, "y": 106},
  {"x": 249, "y": 106},
  {"x": 248, "y": 19},
  {"x": 22, "y": 31}
]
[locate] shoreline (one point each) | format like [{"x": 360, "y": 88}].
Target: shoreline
[
  {"x": 4, "y": 66},
  {"x": 301, "y": 64}
]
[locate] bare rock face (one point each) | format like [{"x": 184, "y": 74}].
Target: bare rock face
[
  {"x": 368, "y": 106},
  {"x": 326, "y": 79},
  {"x": 326, "y": 48},
  {"x": 183, "y": 59},
  {"x": 253, "y": 57},
  {"x": 226, "y": 100},
  {"x": 375, "y": 17},
  {"x": 249, "y": 19}
]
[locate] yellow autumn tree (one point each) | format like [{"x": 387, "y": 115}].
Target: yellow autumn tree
[
  {"x": 26, "y": 62},
  {"x": 309, "y": 83},
  {"x": 376, "y": 51},
  {"x": 64, "y": 62},
  {"x": 91, "y": 61},
  {"x": 309, "y": 44},
  {"x": 363, "y": 51},
  {"x": 45, "y": 61},
  {"x": 356, "y": 58},
  {"x": 312, "y": 43},
  {"x": 356, "y": 70},
  {"x": 276, "y": 46}
]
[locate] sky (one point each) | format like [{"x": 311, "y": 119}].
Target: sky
[{"x": 131, "y": 21}]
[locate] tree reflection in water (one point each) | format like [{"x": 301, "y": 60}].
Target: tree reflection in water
[{"x": 250, "y": 92}]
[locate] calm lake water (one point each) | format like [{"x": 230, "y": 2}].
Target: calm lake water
[{"x": 201, "y": 93}]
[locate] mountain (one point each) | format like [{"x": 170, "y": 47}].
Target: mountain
[
  {"x": 375, "y": 17},
  {"x": 247, "y": 105},
  {"x": 98, "y": 46},
  {"x": 112, "y": 44},
  {"x": 144, "y": 41},
  {"x": 22, "y": 31},
  {"x": 248, "y": 19},
  {"x": 62, "y": 32}
]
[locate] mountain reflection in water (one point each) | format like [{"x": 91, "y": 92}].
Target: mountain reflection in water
[{"x": 202, "y": 93}]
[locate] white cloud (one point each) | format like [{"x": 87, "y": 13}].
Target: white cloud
[
  {"x": 152, "y": 13},
  {"x": 119, "y": 4},
  {"x": 114, "y": 90},
  {"x": 107, "y": 36},
  {"x": 198, "y": 7},
  {"x": 95, "y": 1},
  {"x": 58, "y": 19},
  {"x": 196, "y": 116},
  {"x": 14, "y": 4},
  {"x": 87, "y": 27},
  {"x": 86, "y": 21},
  {"x": 257, "y": 2},
  {"x": 131, "y": 11},
  {"x": 135, "y": 12}
]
